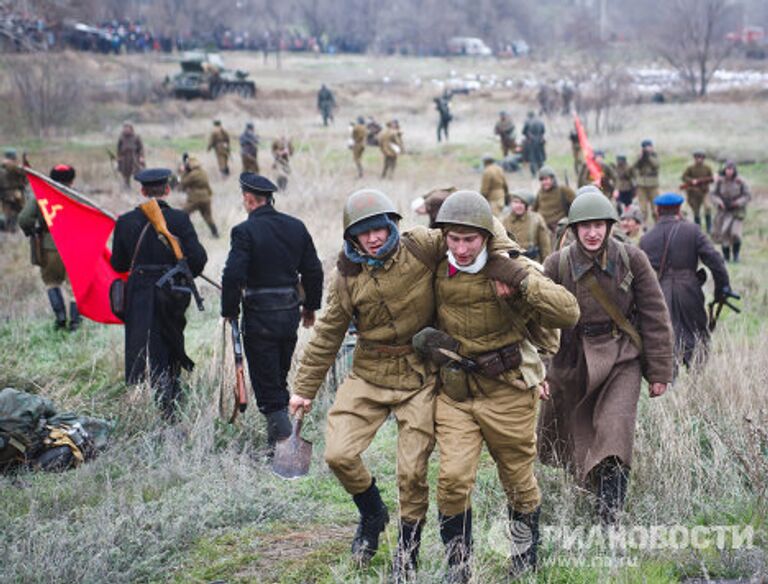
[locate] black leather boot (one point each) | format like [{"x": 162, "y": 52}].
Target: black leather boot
[
  {"x": 278, "y": 426},
  {"x": 74, "y": 317},
  {"x": 456, "y": 533},
  {"x": 612, "y": 479},
  {"x": 727, "y": 253},
  {"x": 56, "y": 298},
  {"x": 406, "y": 560},
  {"x": 524, "y": 529},
  {"x": 708, "y": 221},
  {"x": 736, "y": 251},
  {"x": 373, "y": 520}
]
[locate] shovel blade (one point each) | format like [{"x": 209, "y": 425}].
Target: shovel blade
[{"x": 292, "y": 457}]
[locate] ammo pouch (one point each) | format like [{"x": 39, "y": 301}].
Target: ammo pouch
[
  {"x": 494, "y": 363},
  {"x": 455, "y": 383},
  {"x": 271, "y": 299},
  {"x": 117, "y": 298}
]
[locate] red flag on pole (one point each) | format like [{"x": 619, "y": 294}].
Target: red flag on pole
[
  {"x": 80, "y": 231},
  {"x": 589, "y": 156}
]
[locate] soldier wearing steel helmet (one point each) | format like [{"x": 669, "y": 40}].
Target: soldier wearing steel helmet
[
  {"x": 527, "y": 227},
  {"x": 485, "y": 305},
  {"x": 623, "y": 335},
  {"x": 383, "y": 284},
  {"x": 271, "y": 254},
  {"x": 553, "y": 200}
]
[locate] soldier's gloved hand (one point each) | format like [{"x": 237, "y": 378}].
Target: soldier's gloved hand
[
  {"x": 296, "y": 402},
  {"x": 506, "y": 270}
]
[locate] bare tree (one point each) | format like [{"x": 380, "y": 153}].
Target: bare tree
[{"x": 693, "y": 40}]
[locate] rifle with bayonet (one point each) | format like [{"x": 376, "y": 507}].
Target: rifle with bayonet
[
  {"x": 721, "y": 300},
  {"x": 179, "y": 278}
]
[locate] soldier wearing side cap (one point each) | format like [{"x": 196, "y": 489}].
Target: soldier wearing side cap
[
  {"x": 194, "y": 181},
  {"x": 608, "y": 178},
  {"x": 625, "y": 182},
  {"x": 391, "y": 146},
  {"x": 155, "y": 317},
  {"x": 272, "y": 256},
  {"x": 527, "y": 227},
  {"x": 553, "y": 200},
  {"x": 646, "y": 169},
  {"x": 359, "y": 134},
  {"x": 505, "y": 130},
  {"x": 46, "y": 256},
  {"x": 696, "y": 180},
  {"x": 675, "y": 247},
  {"x": 730, "y": 195},
  {"x": 130, "y": 153}
]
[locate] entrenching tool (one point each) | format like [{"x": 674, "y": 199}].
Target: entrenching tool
[{"x": 293, "y": 454}]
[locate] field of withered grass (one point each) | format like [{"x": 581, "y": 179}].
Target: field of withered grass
[{"x": 196, "y": 502}]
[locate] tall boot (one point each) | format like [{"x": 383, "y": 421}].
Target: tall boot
[
  {"x": 736, "y": 251},
  {"x": 456, "y": 533},
  {"x": 612, "y": 479},
  {"x": 727, "y": 253},
  {"x": 74, "y": 317},
  {"x": 56, "y": 298},
  {"x": 278, "y": 427},
  {"x": 708, "y": 222},
  {"x": 214, "y": 230},
  {"x": 524, "y": 529},
  {"x": 373, "y": 520},
  {"x": 406, "y": 560},
  {"x": 697, "y": 219}
]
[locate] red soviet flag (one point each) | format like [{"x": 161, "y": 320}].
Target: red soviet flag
[
  {"x": 80, "y": 232},
  {"x": 589, "y": 157}
]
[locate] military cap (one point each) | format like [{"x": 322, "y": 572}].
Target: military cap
[
  {"x": 545, "y": 171},
  {"x": 699, "y": 153},
  {"x": 646, "y": 142},
  {"x": 598, "y": 152},
  {"x": 360, "y": 120},
  {"x": 10, "y": 153},
  {"x": 250, "y": 125},
  {"x": 503, "y": 113},
  {"x": 62, "y": 173},
  {"x": 216, "y": 122},
  {"x": 488, "y": 157},
  {"x": 254, "y": 183},
  {"x": 633, "y": 213},
  {"x": 622, "y": 157},
  {"x": 153, "y": 177},
  {"x": 668, "y": 200}
]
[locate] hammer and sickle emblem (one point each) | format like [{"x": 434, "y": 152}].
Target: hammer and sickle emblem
[{"x": 48, "y": 215}]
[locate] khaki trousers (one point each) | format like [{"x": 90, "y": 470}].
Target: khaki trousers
[
  {"x": 52, "y": 268},
  {"x": 205, "y": 210},
  {"x": 359, "y": 410},
  {"x": 506, "y": 422},
  {"x": 645, "y": 196}
]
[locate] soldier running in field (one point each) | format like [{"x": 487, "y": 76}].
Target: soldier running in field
[
  {"x": 359, "y": 134},
  {"x": 493, "y": 185},
  {"x": 443, "y": 106},
  {"x": 326, "y": 103},
  {"x": 534, "y": 151},
  {"x": 218, "y": 141},
  {"x": 249, "y": 149},
  {"x": 505, "y": 130},
  {"x": 391, "y": 145},
  {"x": 553, "y": 200},
  {"x": 646, "y": 169},
  {"x": 527, "y": 227},
  {"x": 194, "y": 181}
]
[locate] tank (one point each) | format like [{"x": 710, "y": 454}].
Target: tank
[{"x": 204, "y": 75}]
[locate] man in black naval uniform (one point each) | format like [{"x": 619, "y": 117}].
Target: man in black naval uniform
[
  {"x": 675, "y": 247},
  {"x": 154, "y": 317},
  {"x": 271, "y": 254}
]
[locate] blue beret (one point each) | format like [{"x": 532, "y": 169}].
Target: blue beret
[
  {"x": 646, "y": 142},
  {"x": 668, "y": 200},
  {"x": 257, "y": 184},
  {"x": 153, "y": 177}
]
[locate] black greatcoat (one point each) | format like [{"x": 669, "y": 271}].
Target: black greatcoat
[
  {"x": 679, "y": 283},
  {"x": 269, "y": 251},
  {"x": 154, "y": 317}
]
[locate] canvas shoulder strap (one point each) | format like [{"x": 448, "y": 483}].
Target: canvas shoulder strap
[
  {"x": 562, "y": 266},
  {"x": 663, "y": 264},
  {"x": 617, "y": 316},
  {"x": 629, "y": 277}
]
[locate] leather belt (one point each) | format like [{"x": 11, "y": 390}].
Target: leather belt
[
  {"x": 277, "y": 290},
  {"x": 596, "y": 329},
  {"x": 391, "y": 350}
]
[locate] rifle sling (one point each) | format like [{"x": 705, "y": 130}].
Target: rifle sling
[
  {"x": 599, "y": 294},
  {"x": 663, "y": 264}
]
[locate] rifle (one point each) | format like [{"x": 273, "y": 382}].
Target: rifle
[
  {"x": 112, "y": 161},
  {"x": 700, "y": 183},
  {"x": 24, "y": 160},
  {"x": 241, "y": 394},
  {"x": 179, "y": 278},
  {"x": 716, "y": 306}
]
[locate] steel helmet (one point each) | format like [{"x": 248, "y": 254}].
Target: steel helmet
[
  {"x": 591, "y": 205},
  {"x": 367, "y": 203},
  {"x": 467, "y": 208}
]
